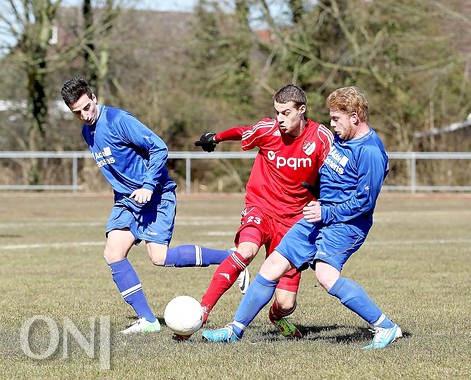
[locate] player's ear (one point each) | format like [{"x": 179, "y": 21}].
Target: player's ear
[
  {"x": 94, "y": 99},
  {"x": 302, "y": 109},
  {"x": 355, "y": 120}
]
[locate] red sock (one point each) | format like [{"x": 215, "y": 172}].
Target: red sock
[
  {"x": 276, "y": 313},
  {"x": 223, "y": 278}
]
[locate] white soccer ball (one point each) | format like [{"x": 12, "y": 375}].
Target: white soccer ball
[{"x": 183, "y": 315}]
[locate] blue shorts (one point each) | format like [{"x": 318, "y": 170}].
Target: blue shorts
[
  {"x": 153, "y": 221},
  {"x": 306, "y": 242}
]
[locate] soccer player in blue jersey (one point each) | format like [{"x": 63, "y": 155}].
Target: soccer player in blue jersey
[
  {"x": 333, "y": 227},
  {"x": 133, "y": 160}
]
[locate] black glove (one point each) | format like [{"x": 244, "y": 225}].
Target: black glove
[
  {"x": 207, "y": 142},
  {"x": 313, "y": 189}
]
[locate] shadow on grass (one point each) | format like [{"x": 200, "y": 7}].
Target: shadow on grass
[{"x": 334, "y": 333}]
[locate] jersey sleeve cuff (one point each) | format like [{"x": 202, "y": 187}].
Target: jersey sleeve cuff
[{"x": 148, "y": 186}]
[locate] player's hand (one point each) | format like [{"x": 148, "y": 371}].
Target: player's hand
[
  {"x": 312, "y": 212},
  {"x": 207, "y": 142},
  {"x": 141, "y": 195}
]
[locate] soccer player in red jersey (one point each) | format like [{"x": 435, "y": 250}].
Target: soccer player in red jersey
[{"x": 291, "y": 149}]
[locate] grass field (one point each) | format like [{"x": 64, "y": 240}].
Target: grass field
[{"x": 416, "y": 264}]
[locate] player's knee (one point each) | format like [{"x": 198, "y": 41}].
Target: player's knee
[
  {"x": 157, "y": 254},
  {"x": 157, "y": 259},
  {"x": 112, "y": 256},
  {"x": 286, "y": 301},
  {"x": 326, "y": 274},
  {"x": 325, "y": 280},
  {"x": 286, "y": 306},
  {"x": 248, "y": 251}
]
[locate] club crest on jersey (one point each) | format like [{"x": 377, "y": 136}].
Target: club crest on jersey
[{"x": 309, "y": 147}]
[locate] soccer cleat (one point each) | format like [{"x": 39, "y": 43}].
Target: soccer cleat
[
  {"x": 383, "y": 337},
  {"x": 286, "y": 328},
  {"x": 142, "y": 325},
  {"x": 243, "y": 280},
  {"x": 226, "y": 335}
]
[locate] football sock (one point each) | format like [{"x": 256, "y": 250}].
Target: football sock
[
  {"x": 223, "y": 278},
  {"x": 277, "y": 313},
  {"x": 354, "y": 297},
  {"x": 383, "y": 322},
  {"x": 194, "y": 256},
  {"x": 127, "y": 281},
  {"x": 258, "y": 294}
]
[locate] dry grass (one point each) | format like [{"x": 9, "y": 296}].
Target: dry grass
[{"x": 415, "y": 264}]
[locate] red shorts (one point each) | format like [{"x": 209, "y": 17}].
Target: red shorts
[{"x": 270, "y": 233}]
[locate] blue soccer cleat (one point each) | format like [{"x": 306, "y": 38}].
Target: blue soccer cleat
[
  {"x": 384, "y": 337},
  {"x": 226, "y": 335}
]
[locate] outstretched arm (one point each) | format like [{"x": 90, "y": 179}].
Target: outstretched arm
[{"x": 209, "y": 140}]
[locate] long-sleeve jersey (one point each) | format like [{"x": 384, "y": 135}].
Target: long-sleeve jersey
[
  {"x": 129, "y": 154},
  {"x": 281, "y": 165},
  {"x": 351, "y": 179}
]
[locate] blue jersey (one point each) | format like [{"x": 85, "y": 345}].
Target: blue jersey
[
  {"x": 351, "y": 179},
  {"x": 129, "y": 154}
]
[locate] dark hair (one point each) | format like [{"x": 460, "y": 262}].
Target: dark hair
[
  {"x": 74, "y": 88},
  {"x": 290, "y": 93}
]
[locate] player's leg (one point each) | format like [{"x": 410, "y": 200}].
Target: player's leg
[
  {"x": 337, "y": 245},
  {"x": 153, "y": 223},
  {"x": 285, "y": 304},
  {"x": 156, "y": 224},
  {"x": 195, "y": 256},
  {"x": 227, "y": 273},
  {"x": 118, "y": 244},
  {"x": 259, "y": 293},
  {"x": 252, "y": 233},
  {"x": 294, "y": 250}
]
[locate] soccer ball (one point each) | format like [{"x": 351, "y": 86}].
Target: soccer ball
[{"x": 183, "y": 315}]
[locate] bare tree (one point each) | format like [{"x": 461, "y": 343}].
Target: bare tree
[
  {"x": 398, "y": 51},
  {"x": 30, "y": 24},
  {"x": 98, "y": 33}
]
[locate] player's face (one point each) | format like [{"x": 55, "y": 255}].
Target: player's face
[
  {"x": 85, "y": 109},
  {"x": 290, "y": 118},
  {"x": 344, "y": 125}
]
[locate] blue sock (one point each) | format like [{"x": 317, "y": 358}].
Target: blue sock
[
  {"x": 259, "y": 293},
  {"x": 125, "y": 278},
  {"x": 354, "y": 297},
  {"x": 194, "y": 256}
]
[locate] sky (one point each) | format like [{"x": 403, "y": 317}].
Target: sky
[
  {"x": 167, "y": 5},
  {"x": 158, "y": 5},
  {"x": 276, "y": 6}
]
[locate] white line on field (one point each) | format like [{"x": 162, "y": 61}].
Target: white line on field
[
  {"x": 184, "y": 222},
  {"x": 53, "y": 245},
  {"x": 437, "y": 241},
  {"x": 214, "y": 233}
]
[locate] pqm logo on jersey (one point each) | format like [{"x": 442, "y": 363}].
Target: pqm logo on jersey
[
  {"x": 104, "y": 157},
  {"x": 336, "y": 160},
  {"x": 291, "y": 162}
]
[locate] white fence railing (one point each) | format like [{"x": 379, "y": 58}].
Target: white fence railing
[{"x": 410, "y": 157}]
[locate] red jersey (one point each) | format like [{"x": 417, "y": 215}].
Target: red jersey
[{"x": 283, "y": 162}]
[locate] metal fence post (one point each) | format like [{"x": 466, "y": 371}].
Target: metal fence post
[{"x": 413, "y": 173}]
